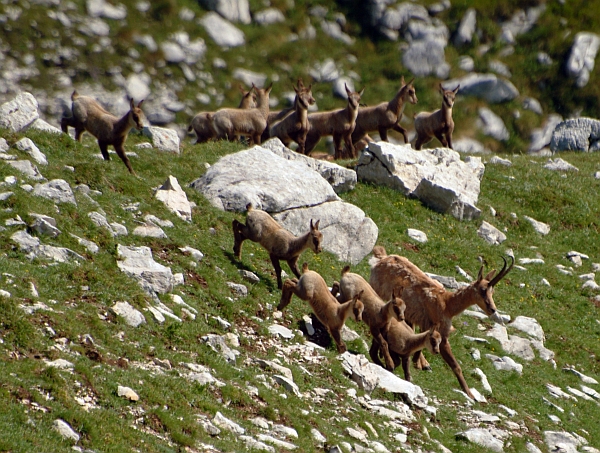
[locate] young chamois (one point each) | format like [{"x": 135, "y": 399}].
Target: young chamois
[
  {"x": 295, "y": 126},
  {"x": 428, "y": 304},
  {"x": 88, "y": 115},
  {"x": 252, "y": 122},
  {"x": 339, "y": 123},
  {"x": 280, "y": 243},
  {"x": 403, "y": 342},
  {"x": 437, "y": 124},
  {"x": 377, "y": 313},
  {"x": 202, "y": 125},
  {"x": 278, "y": 115},
  {"x": 387, "y": 115},
  {"x": 312, "y": 288}
]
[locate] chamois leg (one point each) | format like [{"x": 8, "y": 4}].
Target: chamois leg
[
  {"x": 79, "y": 133},
  {"x": 420, "y": 361},
  {"x": 277, "y": 267},
  {"x": 381, "y": 345},
  {"x": 406, "y": 367},
  {"x": 293, "y": 263},
  {"x": 447, "y": 355},
  {"x": 238, "y": 238},
  {"x": 311, "y": 141},
  {"x": 400, "y": 129},
  {"x": 121, "y": 153},
  {"x": 442, "y": 139},
  {"x": 337, "y": 337},
  {"x": 374, "y": 353},
  {"x": 419, "y": 142},
  {"x": 349, "y": 150},
  {"x": 289, "y": 288},
  {"x": 104, "y": 149},
  {"x": 301, "y": 144},
  {"x": 335, "y": 289},
  {"x": 337, "y": 146},
  {"x": 383, "y": 134},
  {"x": 449, "y": 137}
]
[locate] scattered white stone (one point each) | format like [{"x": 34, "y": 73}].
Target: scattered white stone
[
  {"x": 132, "y": 317},
  {"x": 482, "y": 437},
  {"x": 174, "y": 198},
  {"x": 557, "y": 392},
  {"x": 559, "y": 164},
  {"x": 288, "y": 384},
  {"x": 149, "y": 230},
  {"x": 531, "y": 261},
  {"x": 484, "y": 380},
  {"x": 417, "y": 235},
  {"x": 27, "y": 145},
  {"x": 224, "y": 423},
  {"x": 277, "y": 442},
  {"x": 196, "y": 254},
  {"x": 539, "y": 227},
  {"x": 65, "y": 430},
  {"x": 583, "y": 377},
  {"x": 491, "y": 234},
  {"x": 282, "y": 331},
  {"x": 61, "y": 364},
  {"x": 238, "y": 289},
  {"x": 127, "y": 393},
  {"x": 505, "y": 363}
]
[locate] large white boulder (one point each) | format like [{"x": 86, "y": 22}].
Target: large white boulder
[{"x": 438, "y": 177}]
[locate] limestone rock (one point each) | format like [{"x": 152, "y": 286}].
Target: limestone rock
[
  {"x": 492, "y": 125},
  {"x": 132, "y": 317},
  {"x": 466, "y": 28},
  {"x": 27, "y": 145},
  {"x": 163, "y": 139},
  {"x": 578, "y": 134},
  {"x": 491, "y": 234},
  {"x": 19, "y": 113},
  {"x": 57, "y": 190},
  {"x": 489, "y": 87},
  {"x": 35, "y": 249},
  {"x": 232, "y": 10},
  {"x": 583, "y": 54},
  {"x": 559, "y": 164},
  {"x": 222, "y": 32},
  {"x": 65, "y": 430},
  {"x": 482, "y": 437},
  {"x": 540, "y": 227},
  {"x": 173, "y": 196},
  {"x": 27, "y": 168},
  {"x": 137, "y": 262},
  {"x": 127, "y": 393},
  {"x": 437, "y": 177}
]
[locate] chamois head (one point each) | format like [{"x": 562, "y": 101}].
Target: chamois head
[
  {"x": 316, "y": 237},
  {"x": 448, "y": 96},
  {"x": 304, "y": 95},
  {"x": 408, "y": 91},
  {"x": 136, "y": 114},
  {"x": 248, "y": 97},
  {"x": 358, "y": 307},
  {"x": 398, "y": 306},
  {"x": 485, "y": 287},
  {"x": 434, "y": 338},
  {"x": 353, "y": 97}
]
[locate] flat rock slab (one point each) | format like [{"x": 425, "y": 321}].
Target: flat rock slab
[
  {"x": 294, "y": 194},
  {"x": 174, "y": 198},
  {"x": 131, "y": 316},
  {"x": 137, "y": 262},
  {"x": 437, "y": 177},
  {"x": 27, "y": 168},
  {"x": 35, "y": 249},
  {"x": 19, "y": 113},
  {"x": 57, "y": 190},
  {"x": 484, "y": 86},
  {"x": 162, "y": 138}
]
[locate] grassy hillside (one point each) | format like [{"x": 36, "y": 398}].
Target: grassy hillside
[{"x": 165, "y": 419}]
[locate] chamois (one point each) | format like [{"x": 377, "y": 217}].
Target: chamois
[
  {"x": 312, "y": 288},
  {"x": 339, "y": 123},
  {"x": 295, "y": 126},
  {"x": 438, "y": 123},
  {"x": 403, "y": 341},
  {"x": 385, "y": 116},
  {"x": 278, "y": 115},
  {"x": 280, "y": 243},
  {"x": 88, "y": 115},
  {"x": 202, "y": 125},
  {"x": 252, "y": 122},
  {"x": 377, "y": 313},
  {"x": 428, "y": 304}
]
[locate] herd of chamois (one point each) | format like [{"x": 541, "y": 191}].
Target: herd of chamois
[{"x": 413, "y": 298}]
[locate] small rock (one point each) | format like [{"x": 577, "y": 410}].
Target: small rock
[{"x": 127, "y": 393}]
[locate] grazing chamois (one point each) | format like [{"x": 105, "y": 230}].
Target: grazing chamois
[
  {"x": 251, "y": 122},
  {"x": 377, "y": 313},
  {"x": 428, "y": 304},
  {"x": 339, "y": 123},
  {"x": 403, "y": 341},
  {"x": 295, "y": 126},
  {"x": 312, "y": 288},
  {"x": 202, "y": 125},
  {"x": 438, "y": 124},
  {"x": 280, "y": 243},
  {"x": 88, "y": 115},
  {"x": 387, "y": 115}
]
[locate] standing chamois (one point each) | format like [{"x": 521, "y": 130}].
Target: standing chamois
[
  {"x": 385, "y": 116},
  {"x": 278, "y": 115},
  {"x": 295, "y": 126},
  {"x": 88, "y": 115},
  {"x": 339, "y": 123},
  {"x": 280, "y": 243},
  {"x": 438, "y": 124},
  {"x": 252, "y": 122},
  {"x": 428, "y": 304},
  {"x": 312, "y": 288},
  {"x": 202, "y": 125}
]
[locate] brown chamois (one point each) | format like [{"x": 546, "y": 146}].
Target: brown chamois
[
  {"x": 202, "y": 125},
  {"x": 312, "y": 288},
  {"x": 251, "y": 122},
  {"x": 438, "y": 124},
  {"x": 88, "y": 115},
  {"x": 339, "y": 123},
  {"x": 377, "y": 313},
  {"x": 278, "y": 115},
  {"x": 277, "y": 241},
  {"x": 294, "y": 126},
  {"x": 428, "y": 304},
  {"x": 387, "y": 115},
  {"x": 403, "y": 342}
]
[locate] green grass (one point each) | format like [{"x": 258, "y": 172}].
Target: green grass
[{"x": 79, "y": 293}]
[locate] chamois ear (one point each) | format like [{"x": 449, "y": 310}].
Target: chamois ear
[
  {"x": 131, "y": 103},
  {"x": 441, "y": 88},
  {"x": 140, "y": 103},
  {"x": 360, "y": 93},
  {"x": 348, "y": 92},
  {"x": 316, "y": 225},
  {"x": 304, "y": 267},
  {"x": 456, "y": 89},
  {"x": 242, "y": 89},
  {"x": 402, "y": 81},
  {"x": 300, "y": 83},
  {"x": 268, "y": 90},
  {"x": 297, "y": 90},
  {"x": 411, "y": 81}
]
